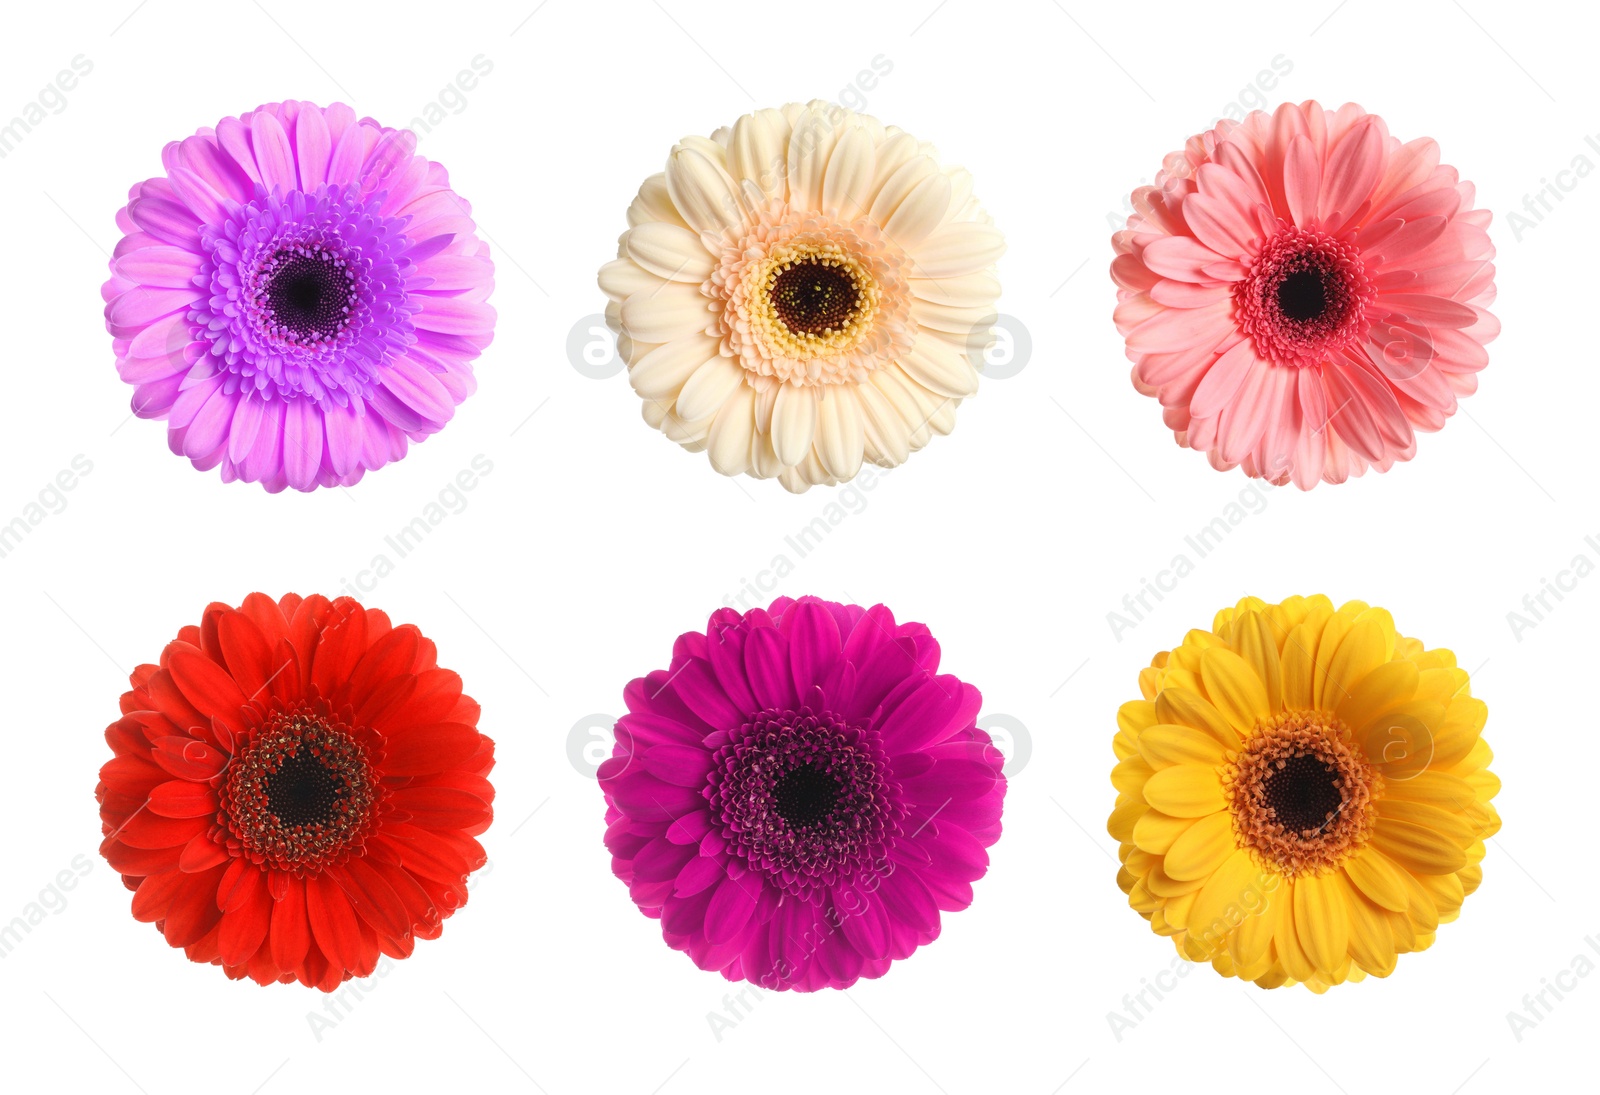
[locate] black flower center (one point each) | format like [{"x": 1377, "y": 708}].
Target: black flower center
[
  {"x": 805, "y": 796},
  {"x": 303, "y": 792},
  {"x": 1303, "y": 295},
  {"x": 815, "y": 297},
  {"x": 1303, "y": 793},
  {"x": 309, "y": 293}
]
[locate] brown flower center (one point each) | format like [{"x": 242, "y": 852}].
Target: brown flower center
[
  {"x": 816, "y": 296},
  {"x": 1301, "y": 793}
]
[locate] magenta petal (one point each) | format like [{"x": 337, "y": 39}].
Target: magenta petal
[
  {"x": 730, "y": 909},
  {"x": 766, "y": 663},
  {"x": 813, "y": 644}
]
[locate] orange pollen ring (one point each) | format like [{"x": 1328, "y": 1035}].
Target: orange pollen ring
[{"x": 1301, "y": 793}]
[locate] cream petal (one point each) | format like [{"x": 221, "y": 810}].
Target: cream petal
[
  {"x": 756, "y": 151},
  {"x": 841, "y": 438},
  {"x": 815, "y": 134},
  {"x": 702, "y": 191},
  {"x": 891, "y": 384},
  {"x": 675, "y": 310},
  {"x": 896, "y": 149},
  {"x": 967, "y": 291},
  {"x": 920, "y": 213},
  {"x": 961, "y": 322},
  {"x": 662, "y": 372},
  {"x": 847, "y": 184},
  {"x": 888, "y": 440},
  {"x": 794, "y": 423},
  {"x": 940, "y": 370},
  {"x": 654, "y": 203},
  {"x": 899, "y": 185},
  {"x": 764, "y": 463},
  {"x": 709, "y": 388},
  {"x": 957, "y": 249},
  {"x": 728, "y": 443},
  {"x": 621, "y": 278},
  {"x": 669, "y": 251}
]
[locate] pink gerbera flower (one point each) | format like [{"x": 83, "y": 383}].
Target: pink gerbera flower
[
  {"x": 799, "y": 795},
  {"x": 1303, "y": 292},
  {"x": 301, "y": 296}
]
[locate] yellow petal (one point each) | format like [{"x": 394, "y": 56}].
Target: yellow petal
[
  {"x": 1154, "y": 832},
  {"x": 1322, "y": 919},
  {"x": 1419, "y": 849},
  {"x": 1359, "y": 655},
  {"x": 1160, "y": 883},
  {"x": 1185, "y": 790},
  {"x": 1187, "y": 707},
  {"x": 1333, "y": 633},
  {"x": 1458, "y": 828},
  {"x": 1458, "y": 731},
  {"x": 1125, "y": 818},
  {"x": 1166, "y": 744},
  {"x": 1135, "y": 715},
  {"x": 1371, "y": 940},
  {"x": 1297, "y": 666},
  {"x": 1129, "y": 776},
  {"x": 1371, "y": 872},
  {"x": 1202, "y": 848},
  {"x": 1234, "y": 688},
  {"x": 1255, "y": 643},
  {"x": 1386, "y": 687},
  {"x": 1286, "y": 940},
  {"x": 1223, "y": 902},
  {"x": 1252, "y": 940}
]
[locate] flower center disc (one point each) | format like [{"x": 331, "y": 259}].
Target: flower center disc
[
  {"x": 802, "y": 798},
  {"x": 1305, "y": 298},
  {"x": 302, "y": 795},
  {"x": 815, "y": 297},
  {"x": 306, "y": 295},
  {"x": 1302, "y": 794}
]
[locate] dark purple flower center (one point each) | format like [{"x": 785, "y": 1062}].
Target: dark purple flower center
[
  {"x": 306, "y": 294},
  {"x": 804, "y": 799},
  {"x": 1305, "y": 298}
]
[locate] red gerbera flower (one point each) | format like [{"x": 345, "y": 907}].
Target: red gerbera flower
[{"x": 296, "y": 790}]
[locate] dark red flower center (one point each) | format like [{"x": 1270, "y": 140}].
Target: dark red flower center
[
  {"x": 305, "y": 294},
  {"x": 1305, "y": 297},
  {"x": 804, "y": 798},
  {"x": 302, "y": 795}
]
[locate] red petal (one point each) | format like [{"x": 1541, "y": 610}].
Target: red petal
[
  {"x": 245, "y": 928},
  {"x": 246, "y": 651},
  {"x": 154, "y": 896},
  {"x": 194, "y": 910},
  {"x": 182, "y": 798},
  {"x": 439, "y": 807},
  {"x": 203, "y": 682},
  {"x": 201, "y": 854},
  {"x": 189, "y": 758},
  {"x": 333, "y": 921},
  {"x": 424, "y": 749},
  {"x": 422, "y": 852},
  {"x": 387, "y": 658},
  {"x": 373, "y": 898},
  {"x": 150, "y": 830},
  {"x": 290, "y": 934},
  {"x": 338, "y": 647}
]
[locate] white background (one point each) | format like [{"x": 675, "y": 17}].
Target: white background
[{"x": 594, "y": 541}]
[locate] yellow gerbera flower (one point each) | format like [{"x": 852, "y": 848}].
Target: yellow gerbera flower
[{"x": 1303, "y": 793}]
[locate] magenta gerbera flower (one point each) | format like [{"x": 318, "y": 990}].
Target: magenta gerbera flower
[
  {"x": 300, "y": 296},
  {"x": 1304, "y": 293},
  {"x": 800, "y": 794}
]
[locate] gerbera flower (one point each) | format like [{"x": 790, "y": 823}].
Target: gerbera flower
[
  {"x": 1303, "y": 794},
  {"x": 300, "y": 296},
  {"x": 296, "y": 790},
  {"x": 802, "y": 292},
  {"x": 1302, "y": 293},
  {"x": 800, "y": 794}
]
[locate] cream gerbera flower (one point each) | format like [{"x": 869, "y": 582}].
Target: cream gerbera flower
[
  {"x": 802, "y": 292},
  {"x": 1303, "y": 793}
]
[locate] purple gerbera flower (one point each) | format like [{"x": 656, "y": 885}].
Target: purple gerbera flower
[
  {"x": 799, "y": 795},
  {"x": 300, "y": 296}
]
